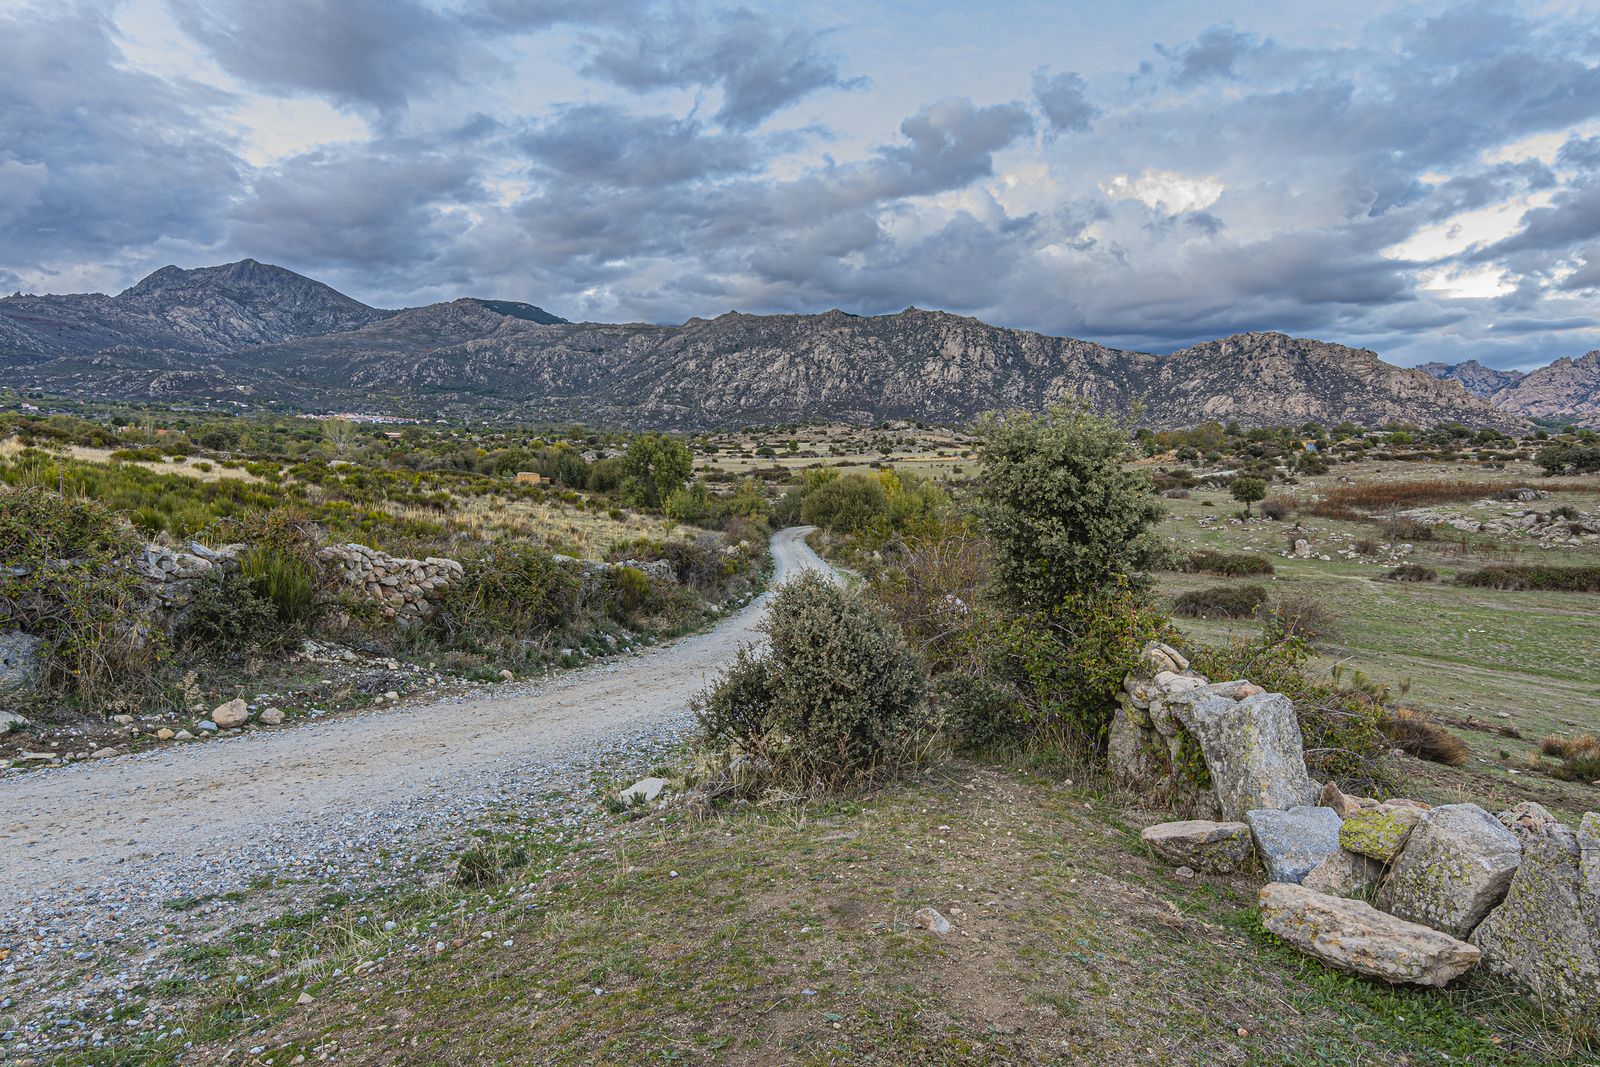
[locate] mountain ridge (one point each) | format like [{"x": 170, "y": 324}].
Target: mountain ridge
[{"x": 249, "y": 329}]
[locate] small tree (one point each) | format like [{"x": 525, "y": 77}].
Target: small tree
[
  {"x": 1066, "y": 516},
  {"x": 653, "y": 467},
  {"x": 1247, "y": 489}
]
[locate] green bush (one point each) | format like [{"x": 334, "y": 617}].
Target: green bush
[
  {"x": 1064, "y": 513},
  {"x": 285, "y": 579},
  {"x": 1228, "y": 564},
  {"x": 1574, "y": 579},
  {"x": 1066, "y": 667},
  {"x": 1221, "y": 602},
  {"x": 653, "y": 467},
  {"x": 66, "y": 577},
  {"x": 837, "y": 698},
  {"x": 516, "y": 590},
  {"x": 852, "y": 504},
  {"x": 227, "y": 616}
]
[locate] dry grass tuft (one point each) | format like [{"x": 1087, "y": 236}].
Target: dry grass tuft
[{"x": 1416, "y": 734}]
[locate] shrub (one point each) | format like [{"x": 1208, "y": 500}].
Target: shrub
[
  {"x": 226, "y": 616},
  {"x": 935, "y": 594},
  {"x": 1065, "y": 516},
  {"x": 1401, "y": 530},
  {"x": 284, "y": 579},
  {"x": 1414, "y": 733},
  {"x": 848, "y": 505},
  {"x": 1221, "y": 602},
  {"x": 1412, "y": 572},
  {"x": 1228, "y": 564},
  {"x": 653, "y": 467},
  {"x": 1277, "y": 508},
  {"x": 1066, "y": 667},
  {"x": 68, "y": 580},
  {"x": 488, "y": 862},
  {"x": 1573, "y": 579},
  {"x": 516, "y": 590},
  {"x": 836, "y": 699},
  {"x": 1299, "y": 616},
  {"x": 1365, "y": 545}
]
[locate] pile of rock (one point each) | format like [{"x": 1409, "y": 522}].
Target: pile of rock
[
  {"x": 1452, "y": 884},
  {"x": 406, "y": 590},
  {"x": 171, "y": 575}
]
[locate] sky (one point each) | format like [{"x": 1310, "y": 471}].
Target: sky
[{"x": 1420, "y": 179}]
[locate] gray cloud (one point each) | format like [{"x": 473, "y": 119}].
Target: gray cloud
[
  {"x": 96, "y": 159},
  {"x": 603, "y": 143},
  {"x": 761, "y": 64},
  {"x": 1064, "y": 99}
]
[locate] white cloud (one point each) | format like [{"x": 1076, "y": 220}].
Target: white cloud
[{"x": 1166, "y": 190}]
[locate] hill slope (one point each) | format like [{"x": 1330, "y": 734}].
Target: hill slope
[{"x": 248, "y": 329}]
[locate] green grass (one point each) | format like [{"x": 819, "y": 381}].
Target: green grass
[
  {"x": 1460, "y": 651},
  {"x": 784, "y": 936}
]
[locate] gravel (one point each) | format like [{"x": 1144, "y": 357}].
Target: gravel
[{"x": 109, "y": 869}]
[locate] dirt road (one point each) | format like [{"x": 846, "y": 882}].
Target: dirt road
[{"x": 169, "y": 809}]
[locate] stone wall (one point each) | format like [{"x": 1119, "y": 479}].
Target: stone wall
[
  {"x": 170, "y": 576},
  {"x": 406, "y": 590}
]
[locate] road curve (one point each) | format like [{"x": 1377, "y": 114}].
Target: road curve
[{"x": 184, "y": 803}]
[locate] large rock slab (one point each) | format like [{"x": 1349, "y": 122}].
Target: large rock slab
[
  {"x": 1379, "y": 832},
  {"x": 1345, "y": 874},
  {"x": 1292, "y": 842},
  {"x": 1545, "y": 935},
  {"x": 1456, "y": 866},
  {"x": 19, "y": 660},
  {"x": 1354, "y": 936},
  {"x": 1217, "y": 847},
  {"x": 1252, "y": 748}
]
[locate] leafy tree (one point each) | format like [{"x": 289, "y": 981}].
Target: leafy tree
[
  {"x": 1066, "y": 516},
  {"x": 1248, "y": 489},
  {"x": 653, "y": 467}
]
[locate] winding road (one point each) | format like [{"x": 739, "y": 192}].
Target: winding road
[{"x": 183, "y": 805}]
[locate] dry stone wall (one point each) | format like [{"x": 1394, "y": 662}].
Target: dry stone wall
[{"x": 406, "y": 590}]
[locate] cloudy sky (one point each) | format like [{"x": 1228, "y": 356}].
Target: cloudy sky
[{"x": 1422, "y": 179}]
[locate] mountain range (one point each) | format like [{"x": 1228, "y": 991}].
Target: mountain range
[
  {"x": 1566, "y": 390},
  {"x": 254, "y": 334}
]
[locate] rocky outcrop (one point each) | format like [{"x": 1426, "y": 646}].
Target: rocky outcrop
[
  {"x": 1565, "y": 389},
  {"x": 1474, "y": 377},
  {"x": 406, "y": 590},
  {"x": 1292, "y": 842},
  {"x": 1456, "y": 866},
  {"x": 1214, "y": 847},
  {"x": 1546, "y": 933},
  {"x": 1354, "y": 936}
]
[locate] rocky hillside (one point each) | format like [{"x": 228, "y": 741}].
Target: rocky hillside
[
  {"x": 1474, "y": 376},
  {"x": 247, "y": 329},
  {"x": 1567, "y": 390}
]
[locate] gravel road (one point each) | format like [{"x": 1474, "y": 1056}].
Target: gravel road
[
  {"x": 90, "y": 851},
  {"x": 183, "y": 802}
]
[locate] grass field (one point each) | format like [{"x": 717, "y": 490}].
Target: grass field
[
  {"x": 1529, "y": 660},
  {"x": 786, "y": 936}
]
